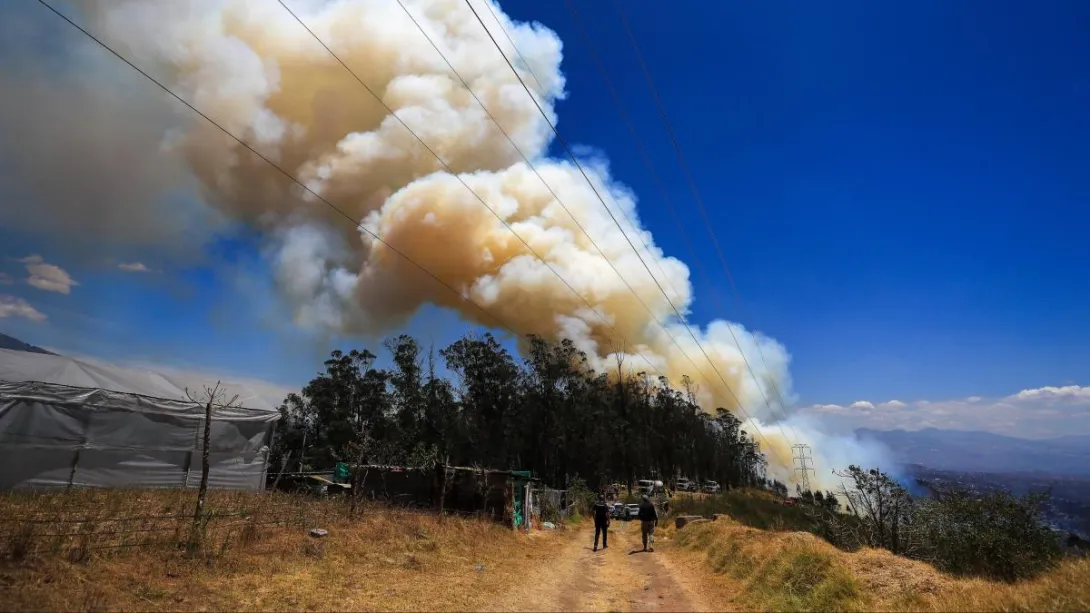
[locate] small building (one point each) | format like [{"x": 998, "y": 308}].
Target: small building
[
  {"x": 498, "y": 494},
  {"x": 75, "y": 422}
]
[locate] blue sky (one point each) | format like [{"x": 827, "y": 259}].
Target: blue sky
[{"x": 900, "y": 189}]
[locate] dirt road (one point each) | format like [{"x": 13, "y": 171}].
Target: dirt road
[{"x": 620, "y": 578}]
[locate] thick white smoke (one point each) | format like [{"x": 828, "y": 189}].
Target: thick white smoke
[{"x": 249, "y": 65}]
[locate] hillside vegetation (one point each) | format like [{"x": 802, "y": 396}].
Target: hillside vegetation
[
  {"x": 762, "y": 554},
  {"x": 757, "y": 569}
]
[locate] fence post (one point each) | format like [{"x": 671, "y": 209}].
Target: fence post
[
  {"x": 203, "y": 489},
  {"x": 527, "y": 509}
]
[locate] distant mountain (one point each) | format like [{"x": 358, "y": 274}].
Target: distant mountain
[
  {"x": 14, "y": 344},
  {"x": 968, "y": 451},
  {"x": 982, "y": 452}
]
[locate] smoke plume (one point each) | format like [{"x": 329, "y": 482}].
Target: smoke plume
[{"x": 250, "y": 66}]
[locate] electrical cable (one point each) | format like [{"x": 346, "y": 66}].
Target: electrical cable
[
  {"x": 689, "y": 178},
  {"x": 619, "y": 105},
  {"x": 590, "y": 182}
]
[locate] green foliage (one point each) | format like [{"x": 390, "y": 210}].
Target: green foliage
[
  {"x": 548, "y": 412},
  {"x": 580, "y": 496},
  {"x": 997, "y": 535}
]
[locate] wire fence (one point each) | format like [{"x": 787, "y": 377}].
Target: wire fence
[{"x": 79, "y": 522}]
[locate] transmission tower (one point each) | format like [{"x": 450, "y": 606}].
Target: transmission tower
[{"x": 800, "y": 453}]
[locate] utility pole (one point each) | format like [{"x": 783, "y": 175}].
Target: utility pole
[{"x": 800, "y": 453}]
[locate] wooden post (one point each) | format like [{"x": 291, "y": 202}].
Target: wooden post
[
  {"x": 526, "y": 508},
  {"x": 203, "y": 489},
  {"x": 302, "y": 450},
  {"x": 283, "y": 465}
]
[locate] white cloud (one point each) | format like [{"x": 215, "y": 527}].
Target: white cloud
[
  {"x": 1067, "y": 393},
  {"x": 10, "y": 306},
  {"x": 47, "y": 277},
  {"x": 1035, "y": 413},
  {"x": 133, "y": 267}
]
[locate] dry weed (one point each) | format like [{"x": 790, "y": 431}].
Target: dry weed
[
  {"x": 261, "y": 556},
  {"x": 766, "y": 570}
]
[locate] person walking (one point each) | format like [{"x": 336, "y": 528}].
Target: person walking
[
  {"x": 649, "y": 518},
  {"x": 601, "y": 522}
]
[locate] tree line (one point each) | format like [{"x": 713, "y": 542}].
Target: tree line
[{"x": 548, "y": 412}]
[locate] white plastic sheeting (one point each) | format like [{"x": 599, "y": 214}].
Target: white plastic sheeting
[{"x": 71, "y": 421}]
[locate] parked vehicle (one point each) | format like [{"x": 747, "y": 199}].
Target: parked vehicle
[
  {"x": 631, "y": 511},
  {"x": 711, "y": 487},
  {"x": 647, "y": 487},
  {"x": 685, "y": 485},
  {"x": 616, "y": 510}
]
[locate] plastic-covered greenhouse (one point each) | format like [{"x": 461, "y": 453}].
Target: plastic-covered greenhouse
[{"x": 67, "y": 421}]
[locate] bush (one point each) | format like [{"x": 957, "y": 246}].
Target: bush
[
  {"x": 996, "y": 535},
  {"x": 580, "y": 497}
]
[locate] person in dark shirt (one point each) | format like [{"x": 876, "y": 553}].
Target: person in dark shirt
[
  {"x": 649, "y": 518},
  {"x": 601, "y": 522}
]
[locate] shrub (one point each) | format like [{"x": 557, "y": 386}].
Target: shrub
[
  {"x": 580, "y": 497},
  {"x": 996, "y": 535}
]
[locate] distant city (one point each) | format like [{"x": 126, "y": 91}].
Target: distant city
[{"x": 990, "y": 462}]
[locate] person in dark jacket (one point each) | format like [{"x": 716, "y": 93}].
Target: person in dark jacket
[
  {"x": 601, "y": 522},
  {"x": 649, "y": 518}
]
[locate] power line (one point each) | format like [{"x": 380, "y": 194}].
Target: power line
[
  {"x": 291, "y": 177},
  {"x": 529, "y": 164},
  {"x": 460, "y": 179},
  {"x": 506, "y": 35},
  {"x": 582, "y": 171},
  {"x": 670, "y": 206},
  {"x": 575, "y": 160},
  {"x": 534, "y": 76},
  {"x": 285, "y": 173},
  {"x": 288, "y": 175},
  {"x": 689, "y": 177},
  {"x": 441, "y": 161},
  {"x": 545, "y": 183}
]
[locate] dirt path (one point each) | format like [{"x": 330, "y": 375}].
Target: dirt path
[{"x": 620, "y": 578}]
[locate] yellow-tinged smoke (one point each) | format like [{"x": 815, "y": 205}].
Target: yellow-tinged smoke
[{"x": 249, "y": 65}]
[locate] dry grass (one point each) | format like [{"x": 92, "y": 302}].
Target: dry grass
[
  {"x": 385, "y": 560},
  {"x": 796, "y": 571}
]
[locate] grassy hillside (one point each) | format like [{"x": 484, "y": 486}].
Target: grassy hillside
[
  {"x": 783, "y": 570},
  {"x": 753, "y": 508}
]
